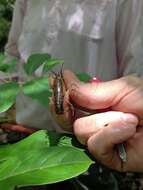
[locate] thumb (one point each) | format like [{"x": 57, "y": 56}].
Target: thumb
[{"x": 97, "y": 95}]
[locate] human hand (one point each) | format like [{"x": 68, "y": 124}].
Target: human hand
[{"x": 124, "y": 96}]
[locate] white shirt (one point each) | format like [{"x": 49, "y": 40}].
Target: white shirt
[{"x": 101, "y": 37}]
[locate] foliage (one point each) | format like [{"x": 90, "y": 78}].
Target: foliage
[
  {"x": 36, "y": 88},
  {"x": 9, "y": 66},
  {"x": 8, "y": 93},
  {"x": 84, "y": 77},
  {"x": 45, "y": 157},
  {"x": 6, "y": 8},
  {"x": 34, "y": 61}
]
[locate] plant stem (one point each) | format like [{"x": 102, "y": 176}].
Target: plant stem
[
  {"x": 8, "y": 124},
  {"x": 17, "y": 128}
]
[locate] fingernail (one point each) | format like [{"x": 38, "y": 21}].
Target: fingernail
[{"x": 129, "y": 119}]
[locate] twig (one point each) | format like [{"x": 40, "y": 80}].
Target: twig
[{"x": 17, "y": 128}]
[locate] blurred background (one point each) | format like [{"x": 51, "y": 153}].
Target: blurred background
[{"x": 6, "y": 9}]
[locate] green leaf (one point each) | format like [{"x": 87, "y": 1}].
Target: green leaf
[
  {"x": 38, "y": 89},
  {"x": 4, "y": 67},
  {"x": 84, "y": 77},
  {"x": 35, "y": 61},
  {"x": 8, "y": 93},
  {"x": 51, "y": 63},
  {"x": 37, "y": 160},
  {"x": 69, "y": 140},
  {"x": 6, "y": 186},
  {"x": 8, "y": 67}
]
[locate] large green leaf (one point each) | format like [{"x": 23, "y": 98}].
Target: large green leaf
[
  {"x": 8, "y": 93},
  {"x": 40, "y": 159},
  {"x": 35, "y": 61},
  {"x": 38, "y": 89},
  {"x": 51, "y": 63}
]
